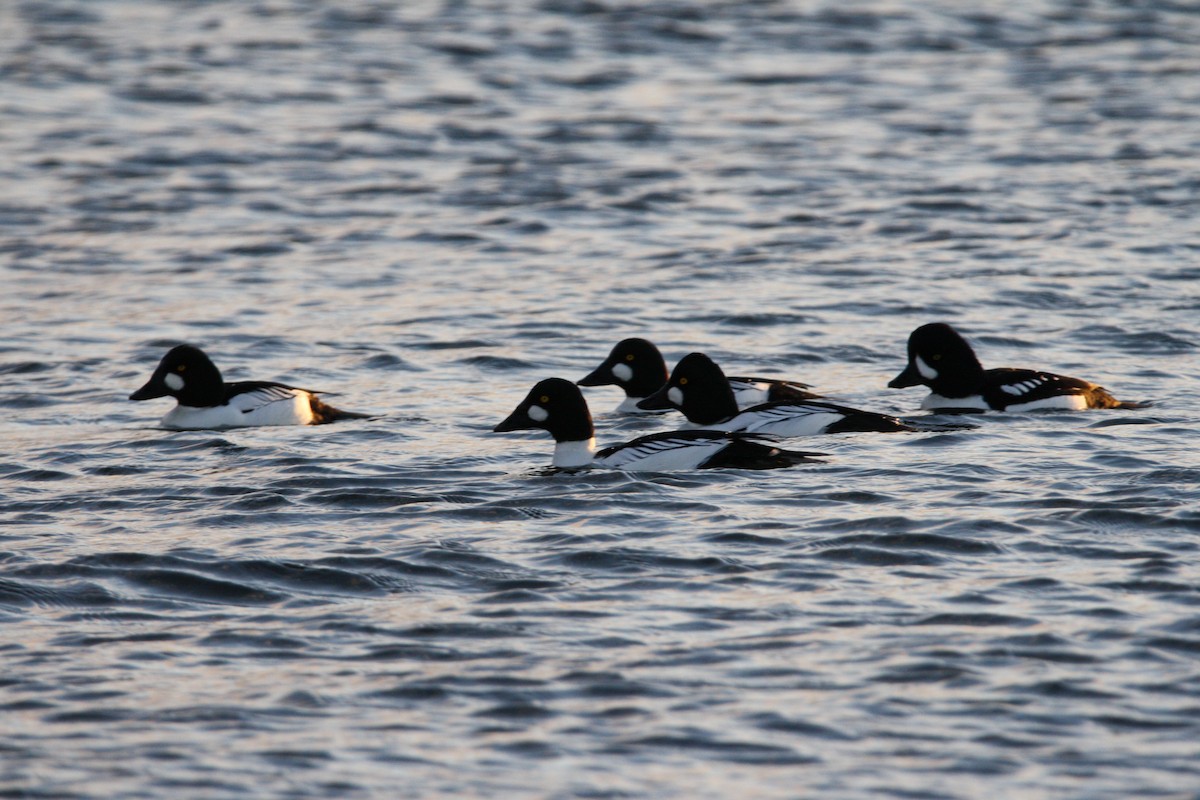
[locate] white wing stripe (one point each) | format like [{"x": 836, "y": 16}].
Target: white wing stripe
[{"x": 1022, "y": 387}]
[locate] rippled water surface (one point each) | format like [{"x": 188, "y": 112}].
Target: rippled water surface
[{"x": 426, "y": 207}]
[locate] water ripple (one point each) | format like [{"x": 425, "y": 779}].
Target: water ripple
[{"x": 425, "y": 208}]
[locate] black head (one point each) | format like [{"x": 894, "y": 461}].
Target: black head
[
  {"x": 555, "y": 405},
  {"x": 699, "y": 389},
  {"x": 635, "y": 365},
  {"x": 941, "y": 359},
  {"x": 186, "y": 374}
]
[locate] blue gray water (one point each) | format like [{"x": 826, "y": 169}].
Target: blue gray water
[{"x": 427, "y": 206}]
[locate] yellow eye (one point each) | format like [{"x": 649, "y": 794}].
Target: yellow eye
[
  {"x": 629, "y": 357},
  {"x": 544, "y": 398},
  {"x": 181, "y": 368},
  {"x": 937, "y": 356},
  {"x": 683, "y": 381}
]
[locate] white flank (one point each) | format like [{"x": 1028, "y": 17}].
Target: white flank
[
  {"x": 622, "y": 372},
  {"x": 270, "y": 406},
  {"x": 663, "y": 455},
  {"x": 927, "y": 372},
  {"x": 573, "y": 454},
  {"x": 538, "y": 414},
  {"x": 791, "y": 420},
  {"x": 173, "y": 382},
  {"x": 1070, "y": 402}
]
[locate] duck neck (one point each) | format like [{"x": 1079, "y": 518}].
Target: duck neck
[{"x": 574, "y": 454}]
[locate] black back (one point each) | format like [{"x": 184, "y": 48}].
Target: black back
[
  {"x": 746, "y": 453},
  {"x": 1006, "y": 386}
]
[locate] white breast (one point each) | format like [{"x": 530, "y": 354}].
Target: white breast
[{"x": 573, "y": 454}]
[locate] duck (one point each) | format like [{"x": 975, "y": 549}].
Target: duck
[
  {"x": 638, "y": 367},
  {"x": 205, "y": 401},
  {"x": 697, "y": 387},
  {"x": 940, "y": 358},
  {"x": 557, "y": 406}
]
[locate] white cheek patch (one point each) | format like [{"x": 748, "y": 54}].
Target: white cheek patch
[
  {"x": 173, "y": 382},
  {"x": 927, "y": 372},
  {"x": 538, "y": 414},
  {"x": 675, "y": 395},
  {"x": 622, "y": 372}
]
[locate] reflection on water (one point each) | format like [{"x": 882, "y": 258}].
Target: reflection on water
[{"x": 427, "y": 207}]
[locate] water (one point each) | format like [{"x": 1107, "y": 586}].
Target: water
[{"x": 429, "y": 206}]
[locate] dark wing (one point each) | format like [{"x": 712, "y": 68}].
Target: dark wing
[
  {"x": 746, "y": 452},
  {"x": 772, "y": 381},
  {"x": 1007, "y": 386},
  {"x": 772, "y": 389}
]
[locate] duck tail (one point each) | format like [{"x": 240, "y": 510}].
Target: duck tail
[
  {"x": 1101, "y": 398},
  {"x": 323, "y": 413}
]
